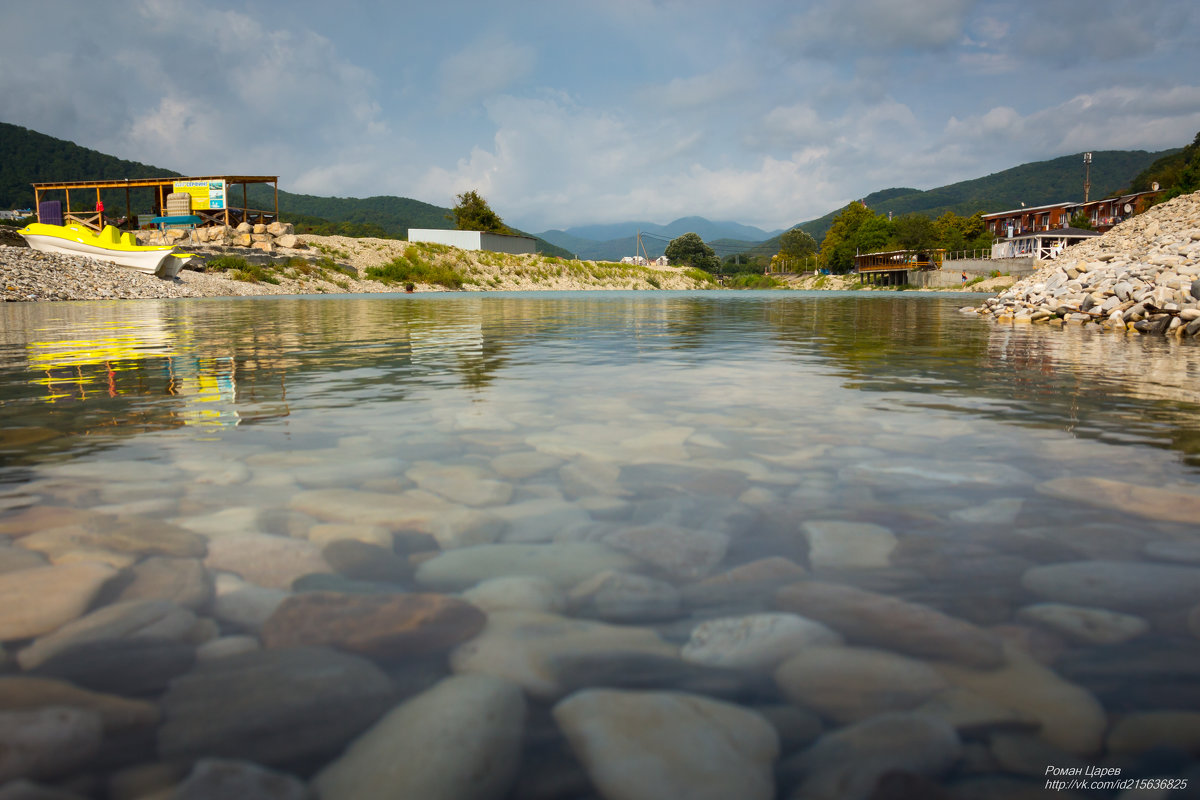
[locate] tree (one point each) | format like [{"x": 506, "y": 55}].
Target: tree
[
  {"x": 841, "y": 241},
  {"x": 1081, "y": 220},
  {"x": 796, "y": 244},
  {"x": 472, "y": 213},
  {"x": 916, "y": 232},
  {"x": 873, "y": 234},
  {"x": 690, "y": 250}
]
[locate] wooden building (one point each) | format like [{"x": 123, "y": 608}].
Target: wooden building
[
  {"x": 214, "y": 201},
  {"x": 1103, "y": 214}
]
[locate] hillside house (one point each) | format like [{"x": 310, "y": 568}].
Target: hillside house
[{"x": 1103, "y": 214}]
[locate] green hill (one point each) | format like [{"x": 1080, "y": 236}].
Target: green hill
[{"x": 30, "y": 157}]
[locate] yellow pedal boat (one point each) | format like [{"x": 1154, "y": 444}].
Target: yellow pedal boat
[{"x": 107, "y": 245}]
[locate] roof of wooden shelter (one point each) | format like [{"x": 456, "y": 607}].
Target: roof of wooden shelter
[{"x": 137, "y": 182}]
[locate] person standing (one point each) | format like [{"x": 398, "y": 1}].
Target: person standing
[{"x": 964, "y": 278}]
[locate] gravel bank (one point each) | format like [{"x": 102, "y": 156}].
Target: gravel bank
[
  {"x": 28, "y": 275},
  {"x": 1143, "y": 275}
]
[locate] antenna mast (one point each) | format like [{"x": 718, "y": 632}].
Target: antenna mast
[{"x": 1087, "y": 175}]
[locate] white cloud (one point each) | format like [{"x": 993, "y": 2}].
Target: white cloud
[
  {"x": 202, "y": 91},
  {"x": 1120, "y": 117},
  {"x": 553, "y": 164},
  {"x": 483, "y": 69}
]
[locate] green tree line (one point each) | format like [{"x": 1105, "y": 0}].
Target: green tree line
[{"x": 857, "y": 229}]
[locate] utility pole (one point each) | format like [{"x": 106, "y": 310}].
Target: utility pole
[{"x": 1087, "y": 175}]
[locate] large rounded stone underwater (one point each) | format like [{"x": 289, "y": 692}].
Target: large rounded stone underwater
[
  {"x": 880, "y": 620},
  {"x": 564, "y": 564},
  {"x": 384, "y": 627},
  {"x": 272, "y": 707},
  {"x": 460, "y": 740},
  {"x": 651, "y": 745},
  {"x": 1130, "y": 586},
  {"x": 757, "y": 641},
  {"x": 849, "y": 684}
]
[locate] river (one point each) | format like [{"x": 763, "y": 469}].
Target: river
[{"x": 880, "y": 537}]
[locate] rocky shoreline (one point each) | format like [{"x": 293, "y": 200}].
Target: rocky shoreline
[
  {"x": 30, "y": 276},
  {"x": 1143, "y": 276}
]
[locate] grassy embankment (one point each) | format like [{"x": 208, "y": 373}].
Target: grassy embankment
[
  {"x": 452, "y": 268},
  {"x": 438, "y": 266}
]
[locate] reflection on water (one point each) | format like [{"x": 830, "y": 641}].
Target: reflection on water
[{"x": 882, "y": 537}]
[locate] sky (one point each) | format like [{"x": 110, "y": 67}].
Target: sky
[{"x": 566, "y": 113}]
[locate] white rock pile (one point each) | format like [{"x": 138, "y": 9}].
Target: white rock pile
[
  {"x": 1143, "y": 275},
  {"x": 258, "y": 237}
]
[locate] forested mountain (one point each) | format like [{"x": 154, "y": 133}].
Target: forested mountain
[{"x": 30, "y": 157}]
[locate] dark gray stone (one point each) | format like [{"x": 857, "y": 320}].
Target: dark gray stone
[
  {"x": 136, "y": 667},
  {"x": 367, "y": 562},
  {"x": 274, "y": 707},
  {"x": 1132, "y": 586},
  {"x": 1195, "y": 290}
]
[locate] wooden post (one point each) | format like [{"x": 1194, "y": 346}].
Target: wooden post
[
  {"x": 37, "y": 203},
  {"x": 277, "y": 198},
  {"x": 245, "y": 205},
  {"x": 128, "y": 206},
  {"x": 68, "y": 206}
]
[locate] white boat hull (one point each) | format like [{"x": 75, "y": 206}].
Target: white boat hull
[{"x": 147, "y": 261}]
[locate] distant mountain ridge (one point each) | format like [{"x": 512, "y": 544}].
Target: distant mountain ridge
[
  {"x": 612, "y": 241},
  {"x": 27, "y": 157}
]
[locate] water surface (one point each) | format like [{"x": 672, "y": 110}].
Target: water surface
[{"x": 956, "y": 456}]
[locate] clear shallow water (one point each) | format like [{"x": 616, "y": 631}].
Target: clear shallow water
[{"x": 679, "y": 436}]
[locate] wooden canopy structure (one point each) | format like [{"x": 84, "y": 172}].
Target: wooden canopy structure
[
  {"x": 162, "y": 187},
  {"x": 891, "y": 268}
]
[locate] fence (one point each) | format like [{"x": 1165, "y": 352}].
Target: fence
[{"x": 958, "y": 255}]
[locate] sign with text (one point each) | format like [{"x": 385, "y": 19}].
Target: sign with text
[{"x": 206, "y": 195}]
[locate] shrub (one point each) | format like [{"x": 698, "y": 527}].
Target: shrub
[
  {"x": 225, "y": 263},
  {"x": 253, "y": 273},
  {"x": 654, "y": 281},
  {"x": 755, "y": 282},
  {"x": 408, "y": 268}
]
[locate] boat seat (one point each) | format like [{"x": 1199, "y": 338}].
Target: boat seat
[
  {"x": 128, "y": 238},
  {"x": 110, "y": 235}
]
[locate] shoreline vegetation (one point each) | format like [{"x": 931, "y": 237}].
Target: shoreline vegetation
[{"x": 345, "y": 265}]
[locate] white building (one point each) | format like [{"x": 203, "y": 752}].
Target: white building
[{"x": 475, "y": 240}]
